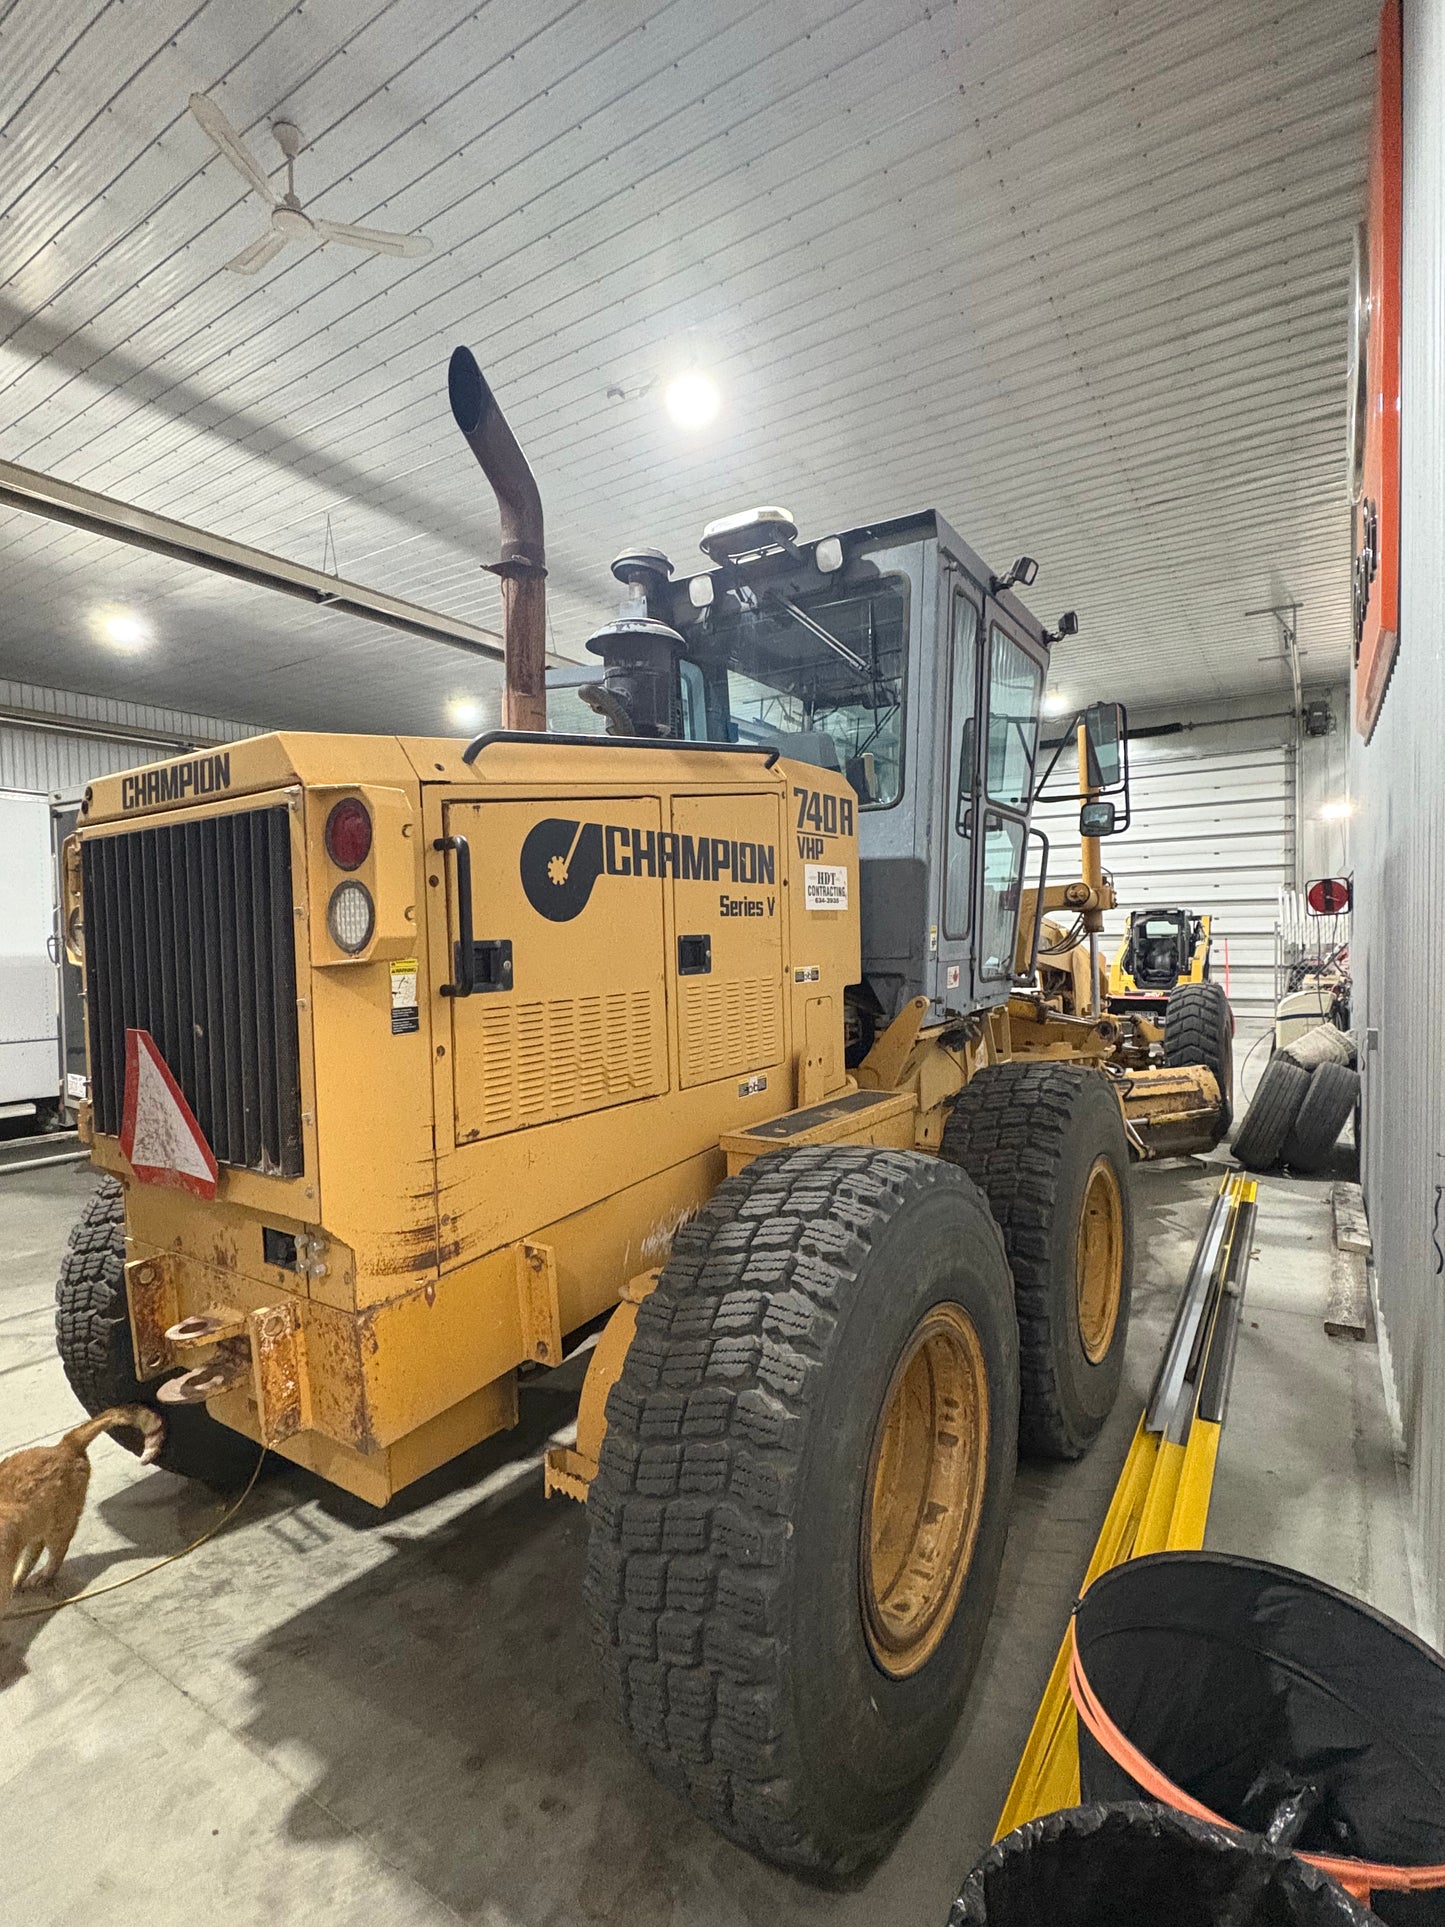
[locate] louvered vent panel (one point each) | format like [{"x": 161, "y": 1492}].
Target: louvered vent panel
[
  {"x": 730, "y": 1027},
  {"x": 553, "y": 1059}
]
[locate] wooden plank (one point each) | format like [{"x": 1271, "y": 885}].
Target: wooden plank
[
  {"x": 1352, "y": 1227},
  {"x": 1347, "y": 1309}
]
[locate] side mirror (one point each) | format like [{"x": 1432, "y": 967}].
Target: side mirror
[
  {"x": 1104, "y": 732},
  {"x": 1098, "y": 819},
  {"x": 1330, "y": 896}
]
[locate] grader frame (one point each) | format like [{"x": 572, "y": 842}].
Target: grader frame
[{"x": 462, "y": 1054}]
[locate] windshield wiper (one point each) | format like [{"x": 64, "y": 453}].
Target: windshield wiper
[{"x": 815, "y": 628}]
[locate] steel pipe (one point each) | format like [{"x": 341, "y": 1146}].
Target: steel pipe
[
  {"x": 523, "y": 564},
  {"x": 39, "y": 1164}
]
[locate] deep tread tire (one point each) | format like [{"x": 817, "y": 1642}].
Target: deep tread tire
[
  {"x": 1199, "y": 1029},
  {"x": 724, "y": 1558},
  {"x": 1328, "y": 1106},
  {"x": 1260, "y": 1139},
  {"x": 92, "y": 1335},
  {"x": 1028, "y": 1135}
]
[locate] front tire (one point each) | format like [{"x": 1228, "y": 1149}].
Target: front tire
[
  {"x": 801, "y": 1500},
  {"x": 92, "y": 1335},
  {"x": 1045, "y": 1144},
  {"x": 1199, "y": 1029}
]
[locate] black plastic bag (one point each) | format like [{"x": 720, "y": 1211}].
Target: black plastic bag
[
  {"x": 1276, "y": 1702},
  {"x": 1112, "y": 1866}
]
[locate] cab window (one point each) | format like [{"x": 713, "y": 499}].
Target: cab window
[
  {"x": 820, "y": 676},
  {"x": 963, "y": 738},
  {"x": 1014, "y": 681}
]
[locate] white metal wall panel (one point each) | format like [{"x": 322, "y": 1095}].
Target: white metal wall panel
[
  {"x": 29, "y": 982},
  {"x": 1214, "y": 816},
  {"x": 50, "y": 761},
  {"x": 1399, "y": 849}
]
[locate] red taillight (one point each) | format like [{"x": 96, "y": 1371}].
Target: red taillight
[{"x": 348, "y": 834}]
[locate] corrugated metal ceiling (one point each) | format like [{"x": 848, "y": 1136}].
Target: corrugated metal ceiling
[{"x": 1074, "y": 273}]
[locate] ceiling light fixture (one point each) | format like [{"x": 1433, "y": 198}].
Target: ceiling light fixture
[
  {"x": 693, "y": 400},
  {"x": 1056, "y": 703},
  {"x": 1337, "y": 810},
  {"x": 120, "y": 628},
  {"x": 465, "y": 712}
]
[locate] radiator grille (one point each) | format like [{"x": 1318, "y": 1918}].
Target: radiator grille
[{"x": 190, "y": 934}]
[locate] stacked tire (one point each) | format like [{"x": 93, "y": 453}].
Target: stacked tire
[{"x": 1307, "y": 1095}]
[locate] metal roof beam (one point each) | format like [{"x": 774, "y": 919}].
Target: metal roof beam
[{"x": 83, "y": 508}]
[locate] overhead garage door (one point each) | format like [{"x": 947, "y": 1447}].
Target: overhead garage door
[{"x": 1213, "y": 831}]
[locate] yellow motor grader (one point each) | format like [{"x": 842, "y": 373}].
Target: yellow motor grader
[{"x": 415, "y": 1063}]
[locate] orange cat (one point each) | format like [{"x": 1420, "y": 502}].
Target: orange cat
[{"x": 42, "y": 1495}]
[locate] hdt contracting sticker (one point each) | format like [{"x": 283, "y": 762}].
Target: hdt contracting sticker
[{"x": 825, "y": 886}]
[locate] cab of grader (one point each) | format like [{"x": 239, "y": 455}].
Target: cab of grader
[{"x": 415, "y": 1065}]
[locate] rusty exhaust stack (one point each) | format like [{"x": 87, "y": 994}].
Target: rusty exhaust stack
[{"x": 523, "y": 567}]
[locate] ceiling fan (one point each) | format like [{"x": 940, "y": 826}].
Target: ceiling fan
[{"x": 289, "y": 220}]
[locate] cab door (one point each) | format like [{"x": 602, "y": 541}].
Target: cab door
[
  {"x": 1012, "y": 676},
  {"x": 958, "y": 885}
]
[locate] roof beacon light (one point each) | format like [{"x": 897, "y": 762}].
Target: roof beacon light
[{"x": 753, "y": 532}]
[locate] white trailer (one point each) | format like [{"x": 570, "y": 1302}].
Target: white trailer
[{"x": 29, "y": 980}]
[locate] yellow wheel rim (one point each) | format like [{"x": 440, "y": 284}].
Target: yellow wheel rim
[
  {"x": 925, "y": 1490},
  {"x": 1100, "y": 1260}
]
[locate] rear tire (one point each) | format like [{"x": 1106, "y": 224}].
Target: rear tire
[
  {"x": 832, "y": 1318},
  {"x": 1045, "y": 1144},
  {"x": 1270, "y": 1118},
  {"x": 1328, "y": 1104},
  {"x": 1199, "y": 1029},
  {"x": 92, "y": 1335}
]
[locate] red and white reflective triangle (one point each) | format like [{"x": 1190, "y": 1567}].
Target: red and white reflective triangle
[{"x": 159, "y": 1134}]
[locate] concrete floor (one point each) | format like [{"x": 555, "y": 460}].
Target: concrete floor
[{"x": 327, "y": 1717}]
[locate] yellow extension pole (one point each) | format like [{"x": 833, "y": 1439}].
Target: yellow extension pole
[
  {"x": 1160, "y": 1504},
  {"x": 1048, "y": 1773}
]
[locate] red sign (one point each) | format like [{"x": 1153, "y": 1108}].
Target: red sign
[
  {"x": 1374, "y": 453},
  {"x": 1329, "y": 896},
  {"x": 159, "y": 1134}
]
